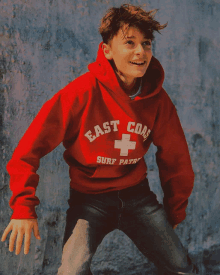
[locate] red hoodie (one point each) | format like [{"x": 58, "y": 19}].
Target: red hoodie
[{"x": 106, "y": 135}]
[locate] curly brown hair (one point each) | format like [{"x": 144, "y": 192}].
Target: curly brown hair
[{"x": 132, "y": 16}]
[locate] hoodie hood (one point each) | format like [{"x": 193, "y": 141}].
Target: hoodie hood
[{"x": 152, "y": 80}]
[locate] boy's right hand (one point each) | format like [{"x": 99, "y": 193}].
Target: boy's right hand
[{"x": 21, "y": 228}]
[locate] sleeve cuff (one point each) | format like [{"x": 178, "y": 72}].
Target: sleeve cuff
[
  {"x": 24, "y": 212},
  {"x": 174, "y": 220}
]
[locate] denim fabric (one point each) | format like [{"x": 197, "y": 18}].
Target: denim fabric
[{"x": 135, "y": 211}]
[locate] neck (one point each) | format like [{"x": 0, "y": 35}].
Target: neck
[
  {"x": 132, "y": 88},
  {"x": 129, "y": 88}
]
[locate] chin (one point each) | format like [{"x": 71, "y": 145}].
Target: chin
[{"x": 140, "y": 74}]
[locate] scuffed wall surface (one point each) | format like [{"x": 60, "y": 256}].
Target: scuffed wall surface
[{"x": 46, "y": 44}]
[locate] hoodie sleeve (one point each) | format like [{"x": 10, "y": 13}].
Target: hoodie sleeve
[
  {"x": 45, "y": 133},
  {"x": 174, "y": 163}
]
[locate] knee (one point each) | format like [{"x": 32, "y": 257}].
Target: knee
[
  {"x": 191, "y": 271},
  {"x": 80, "y": 255},
  {"x": 80, "y": 264}
]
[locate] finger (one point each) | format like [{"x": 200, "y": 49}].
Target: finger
[
  {"x": 12, "y": 240},
  {"x": 19, "y": 242},
  {"x": 36, "y": 232},
  {"x": 27, "y": 241},
  {"x": 5, "y": 234}
]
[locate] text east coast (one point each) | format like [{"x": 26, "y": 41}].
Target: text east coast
[
  {"x": 124, "y": 146},
  {"x": 112, "y": 126}
]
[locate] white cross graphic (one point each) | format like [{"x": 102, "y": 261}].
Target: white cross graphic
[{"x": 125, "y": 144}]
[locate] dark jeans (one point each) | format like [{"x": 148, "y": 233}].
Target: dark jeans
[{"x": 135, "y": 211}]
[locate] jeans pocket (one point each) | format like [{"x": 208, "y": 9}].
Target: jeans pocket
[
  {"x": 75, "y": 197},
  {"x": 146, "y": 199}
]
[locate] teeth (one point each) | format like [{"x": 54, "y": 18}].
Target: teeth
[{"x": 138, "y": 63}]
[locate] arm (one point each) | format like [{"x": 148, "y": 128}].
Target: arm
[
  {"x": 173, "y": 160},
  {"x": 45, "y": 133}
]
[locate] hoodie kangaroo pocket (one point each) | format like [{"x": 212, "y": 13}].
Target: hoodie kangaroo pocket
[{"x": 113, "y": 171}]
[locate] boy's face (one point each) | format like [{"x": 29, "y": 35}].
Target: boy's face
[{"x": 133, "y": 47}]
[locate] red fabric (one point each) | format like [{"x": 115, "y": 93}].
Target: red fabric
[{"x": 106, "y": 135}]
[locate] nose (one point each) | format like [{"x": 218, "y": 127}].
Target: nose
[{"x": 139, "y": 49}]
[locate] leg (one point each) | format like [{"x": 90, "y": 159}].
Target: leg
[
  {"x": 86, "y": 226},
  {"x": 80, "y": 248},
  {"x": 146, "y": 224}
]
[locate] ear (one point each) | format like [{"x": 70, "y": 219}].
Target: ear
[{"x": 107, "y": 51}]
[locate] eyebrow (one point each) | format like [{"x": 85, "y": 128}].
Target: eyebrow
[{"x": 145, "y": 37}]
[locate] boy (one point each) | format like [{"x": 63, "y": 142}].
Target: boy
[{"x": 107, "y": 119}]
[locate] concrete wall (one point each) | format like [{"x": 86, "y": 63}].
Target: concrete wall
[{"x": 44, "y": 45}]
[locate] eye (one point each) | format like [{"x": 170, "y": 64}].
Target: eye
[
  {"x": 148, "y": 43},
  {"x": 129, "y": 41}
]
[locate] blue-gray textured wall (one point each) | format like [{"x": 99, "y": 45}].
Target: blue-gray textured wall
[{"x": 44, "y": 45}]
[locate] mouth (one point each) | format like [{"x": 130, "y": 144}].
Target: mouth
[{"x": 139, "y": 64}]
